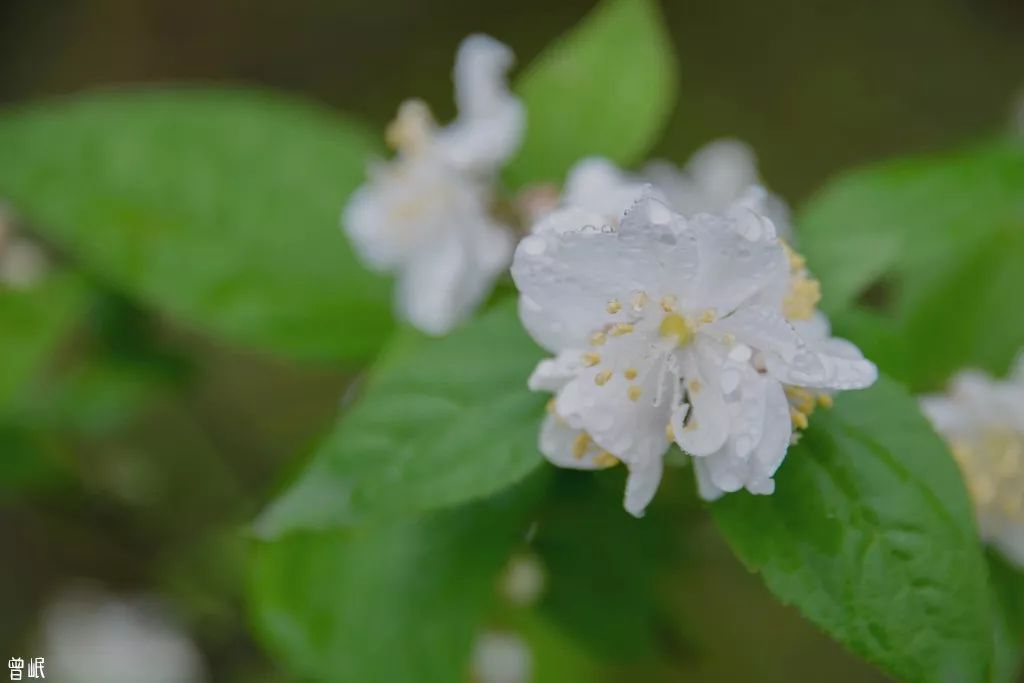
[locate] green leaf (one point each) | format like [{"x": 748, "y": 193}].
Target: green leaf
[
  {"x": 441, "y": 422},
  {"x": 28, "y": 462},
  {"x": 397, "y": 602},
  {"x": 1008, "y": 594},
  {"x": 604, "y": 567},
  {"x": 217, "y": 207},
  {"x": 870, "y": 534},
  {"x": 606, "y": 88},
  {"x": 933, "y": 246},
  {"x": 34, "y": 322}
]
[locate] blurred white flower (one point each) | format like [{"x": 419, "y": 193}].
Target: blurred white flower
[
  {"x": 716, "y": 175},
  {"x": 501, "y": 658},
  {"x": 666, "y": 328},
  {"x": 22, "y": 262},
  {"x": 427, "y": 214},
  {"x": 93, "y": 638},
  {"x": 982, "y": 419},
  {"x": 523, "y": 580}
]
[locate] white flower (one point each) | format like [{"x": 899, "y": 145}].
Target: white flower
[
  {"x": 22, "y": 262},
  {"x": 983, "y": 421},
  {"x": 93, "y": 638},
  {"x": 501, "y": 658},
  {"x": 716, "y": 175},
  {"x": 666, "y": 329},
  {"x": 426, "y": 215},
  {"x": 523, "y": 580}
]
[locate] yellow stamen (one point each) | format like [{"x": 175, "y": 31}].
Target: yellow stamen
[
  {"x": 613, "y": 306},
  {"x": 675, "y": 326},
  {"x": 802, "y": 298},
  {"x": 799, "y": 419},
  {"x": 604, "y": 459},
  {"x": 598, "y": 339},
  {"x": 580, "y": 445},
  {"x": 796, "y": 261},
  {"x": 707, "y": 316},
  {"x": 620, "y": 329},
  {"x": 634, "y": 392},
  {"x": 825, "y": 401},
  {"x": 412, "y": 128},
  {"x": 630, "y": 373},
  {"x": 550, "y": 405},
  {"x": 695, "y": 385},
  {"x": 602, "y": 377},
  {"x": 590, "y": 359},
  {"x": 670, "y": 433},
  {"x": 668, "y": 303},
  {"x": 638, "y": 301}
]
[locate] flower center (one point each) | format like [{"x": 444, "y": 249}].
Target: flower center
[{"x": 674, "y": 326}]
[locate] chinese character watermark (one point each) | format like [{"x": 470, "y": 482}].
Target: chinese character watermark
[{"x": 18, "y": 669}]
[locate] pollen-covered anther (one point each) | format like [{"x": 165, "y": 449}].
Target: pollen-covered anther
[
  {"x": 802, "y": 298},
  {"x": 670, "y": 433},
  {"x": 674, "y": 326},
  {"x": 825, "y": 401},
  {"x": 802, "y": 400},
  {"x": 669, "y": 303},
  {"x": 799, "y": 419},
  {"x": 601, "y": 378},
  {"x": 613, "y": 307},
  {"x": 604, "y": 459},
  {"x": 706, "y": 317},
  {"x": 630, "y": 374},
  {"x": 796, "y": 260},
  {"x": 598, "y": 339},
  {"x": 580, "y": 445},
  {"x": 590, "y": 359},
  {"x": 412, "y": 128},
  {"x": 639, "y": 301},
  {"x": 634, "y": 392},
  {"x": 620, "y": 329}
]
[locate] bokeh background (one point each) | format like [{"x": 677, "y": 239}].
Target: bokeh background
[{"x": 150, "y": 492}]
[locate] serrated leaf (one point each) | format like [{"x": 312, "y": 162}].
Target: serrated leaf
[
  {"x": 395, "y": 602},
  {"x": 217, "y": 207},
  {"x": 934, "y": 246},
  {"x": 870, "y": 534},
  {"x": 441, "y": 422},
  {"x": 606, "y": 88}
]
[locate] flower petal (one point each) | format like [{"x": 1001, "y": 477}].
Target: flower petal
[
  {"x": 739, "y": 260},
  {"x": 708, "y": 426},
  {"x": 573, "y": 265},
  {"x": 571, "y": 448},
  {"x": 629, "y": 425},
  {"x": 642, "y": 484},
  {"x": 729, "y": 469},
  {"x": 445, "y": 281},
  {"x": 490, "y": 123},
  {"x": 596, "y": 185}
]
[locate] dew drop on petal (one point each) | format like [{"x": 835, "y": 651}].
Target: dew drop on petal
[{"x": 658, "y": 213}]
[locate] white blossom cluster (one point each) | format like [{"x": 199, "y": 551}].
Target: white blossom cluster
[
  {"x": 982, "y": 419},
  {"x": 673, "y": 305}
]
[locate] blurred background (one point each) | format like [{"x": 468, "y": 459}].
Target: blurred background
[{"x": 174, "y": 441}]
